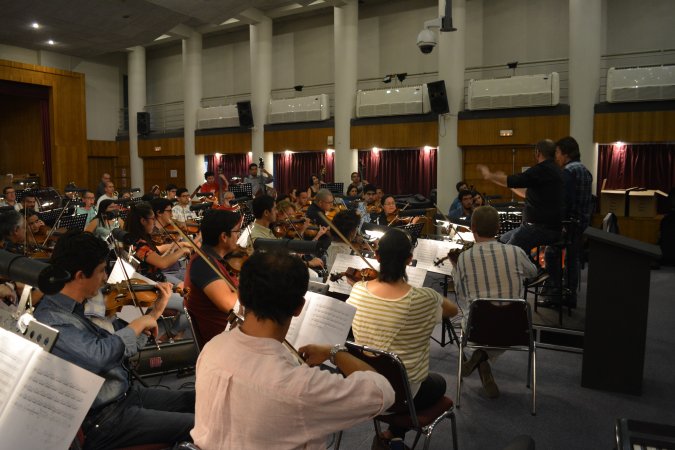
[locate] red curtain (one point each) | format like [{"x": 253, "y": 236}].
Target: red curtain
[
  {"x": 650, "y": 166},
  {"x": 295, "y": 170},
  {"x": 400, "y": 171},
  {"x": 234, "y": 165}
]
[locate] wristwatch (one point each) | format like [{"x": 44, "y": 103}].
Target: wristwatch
[{"x": 334, "y": 351}]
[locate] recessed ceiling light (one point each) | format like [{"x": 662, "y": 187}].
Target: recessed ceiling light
[
  {"x": 50, "y": 42},
  {"x": 35, "y": 25}
]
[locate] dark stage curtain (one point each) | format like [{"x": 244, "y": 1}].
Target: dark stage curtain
[
  {"x": 233, "y": 165},
  {"x": 294, "y": 170},
  {"x": 650, "y": 166},
  {"x": 400, "y": 171},
  {"x": 46, "y": 141}
]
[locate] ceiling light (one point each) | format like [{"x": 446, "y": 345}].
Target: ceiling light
[
  {"x": 50, "y": 42},
  {"x": 288, "y": 152},
  {"x": 164, "y": 36},
  {"x": 230, "y": 21},
  {"x": 376, "y": 150},
  {"x": 330, "y": 151},
  {"x": 35, "y": 25}
]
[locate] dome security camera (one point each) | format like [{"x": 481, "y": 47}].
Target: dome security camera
[{"x": 426, "y": 41}]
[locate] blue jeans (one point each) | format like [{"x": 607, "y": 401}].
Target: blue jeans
[
  {"x": 530, "y": 235},
  {"x": 145, "y": 416}
]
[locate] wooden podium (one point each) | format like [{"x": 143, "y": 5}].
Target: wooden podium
[{"x": 617, "y": 302}]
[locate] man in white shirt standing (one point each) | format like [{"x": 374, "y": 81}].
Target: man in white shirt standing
[
  {"x": 253, "y": 393},
  {"x": 108, "y": 193}
]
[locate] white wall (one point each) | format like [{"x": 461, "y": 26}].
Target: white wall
[
  {"x": 226, "y": 65},
  {"x": 164, "y": 74},
  {"x": 640, "y": 25}
]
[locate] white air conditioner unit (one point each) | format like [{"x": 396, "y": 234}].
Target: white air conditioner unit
[
  {"x": 639, "y": 84},
  {"x": 515, "y": 92},
  {"x": 299, "y": 109},
  {"x": 217, "y": 117},
  {"x": 395, "y": 101}
]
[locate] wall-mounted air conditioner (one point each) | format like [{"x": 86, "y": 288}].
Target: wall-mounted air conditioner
[
  {"x": 515, "y": 92},
  {"x": 394, "y": 101},
  {"x": 217, "y": 117},
  {"x": 639, "y": 84},
  {"x": 299, "y": 109}
]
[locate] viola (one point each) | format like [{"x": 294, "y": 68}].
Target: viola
[
  {"x": 118, "y": 295},
  {"x": 355, "y": 275}
]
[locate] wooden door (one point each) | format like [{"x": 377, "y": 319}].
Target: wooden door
[
  {"x": 161, "y": 171},
  {"x": 509, "y": 160}
]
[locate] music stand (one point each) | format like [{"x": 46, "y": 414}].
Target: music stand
[
  {"x": 415, "y": 229},
  {"x": 242, "y": 190},
  {"x": 49, "y": 217},
  {"x": 334, "y": 188},
  {"x": 248, "y": 219},
  {"x": 73, "y": 222}
]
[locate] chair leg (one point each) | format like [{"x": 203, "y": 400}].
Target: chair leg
[
  {"x": 338, "y": 439},
  {"x": 459, "y": 373},
  {"x": 534, "y": 380},
  {"x": 453, "y": 423},
  {"x": 529, "y": 367}
]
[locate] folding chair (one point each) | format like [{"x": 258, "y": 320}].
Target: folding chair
[
  {"x": 500, "y": 324},
  {"x": 402, "y": 413}
]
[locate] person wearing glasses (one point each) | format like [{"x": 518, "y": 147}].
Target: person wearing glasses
[
  {"x": 163, "y": 232},
  {"x": 181, "y": 213},
  {"x": 88, "y": 208},
  {"x": 10, "y": 198},
  {"x": 393, "y": 316},
  {"x": 211, "y": 299},
  {"x": 323, "y": 202}
]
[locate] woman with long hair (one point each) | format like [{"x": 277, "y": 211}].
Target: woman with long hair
[
  {"x": 107, "y": 218},
  {"x": 315, "y": 185},
  {"x": 393, "y": 316}
]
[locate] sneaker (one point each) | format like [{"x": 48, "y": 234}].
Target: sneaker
[
  {"x": 469, "y": 366},
  {"x": 488, "y": 380}
]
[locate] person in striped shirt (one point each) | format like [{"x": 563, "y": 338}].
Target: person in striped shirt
[
  {"x": 489, "y": 269},
  {"x": 393, "y": 316}
]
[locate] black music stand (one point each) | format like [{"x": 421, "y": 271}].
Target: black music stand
[
  {"x": 49, "y": 217},
  {"x": 334, "y": 188},
  {"x": 73, "y": 222},
  {"x": 242, "y": 190},
  {"x": 415, "y": 229},
  {"x": 248, "y": 219}
]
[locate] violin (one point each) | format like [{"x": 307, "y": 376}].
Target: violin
[
  {"x": 374, "y": 208},
  {"x": 453, "y": 254},
  {"x": 356, "y": 275},
  {"x": 164, "y": 237},
  {"x": 118, "y": 295},
  {"x": 234, "y": 261}
]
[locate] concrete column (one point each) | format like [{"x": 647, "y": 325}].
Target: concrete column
[
  {"x": 192, "y": 88},
  {"x": 585, "y": 32},
  {"x": 346, "y": 38},
  {"x": 260, "y": 32},
  {"x": 137, "y": 100},
  {"x": 451, "y": 65}
]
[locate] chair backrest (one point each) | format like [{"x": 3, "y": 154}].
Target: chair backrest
[
  {"x": 197, "y": 336},
  {"x": 391, "y": 367},
  {"x": 499, "y": 322}
]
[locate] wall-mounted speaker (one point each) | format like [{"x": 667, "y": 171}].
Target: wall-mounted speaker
[
  {"x": 438, "y": 99},
  {"x": 245, "y": 114},
  {"x": 143, "y": 123}
]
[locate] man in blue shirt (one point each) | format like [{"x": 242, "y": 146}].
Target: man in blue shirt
[{"x": 123, "y": 414}]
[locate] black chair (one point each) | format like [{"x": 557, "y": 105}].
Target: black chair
[
  {"x": 402, "y": 413},
  {"x": 500, "y": 324}
]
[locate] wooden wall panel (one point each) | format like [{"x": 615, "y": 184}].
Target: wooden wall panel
[
  {"x": 526, "y": 130},
  {"x": 298, "y": 140},
  {"x": 98, "y": 165},
  {"x": 497, "y": 158},
  {"x": 67, "y": 117},
  {"x": 174, "y": 146},
  {"x": 122, "y": 170},
  {"x": 223, "y": 143},
  {"x": 111, "y": 157},
  {"x": 635, "y": 126},
  {"x": 102, "y": 148},
  {"x": 158, "y": 171},
  {"x": 395, "y": 135},
  {"x": 21, "y": 149}
]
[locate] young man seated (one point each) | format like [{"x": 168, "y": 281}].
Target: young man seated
[
  {"x": 123, "y": 414},
  {"x": 253, "y": 393}
]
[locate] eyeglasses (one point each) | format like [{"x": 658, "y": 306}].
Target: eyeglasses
[
  {"x": 167, "y": 210},
  {"x": 236, "y": 231},
  {"x": 149, "y": 218}
]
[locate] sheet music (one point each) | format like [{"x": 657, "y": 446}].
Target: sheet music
[
  {"x": 49, "y": 401},
  {"x": 117, "y": 274},
  {"x": 324, "y": 320},
  {"x": 15, "y": 353},
  {"x": 428, "y": 250},
  {"x": 416, "y": 275}
]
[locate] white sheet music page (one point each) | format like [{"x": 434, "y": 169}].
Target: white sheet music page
[
  {"x": 324, "y": 320},
  {"x": 428, "y": 251},
  {"x": 15, "y": 353},
  {"x": 416, "y": 275},
  {"x": 48, "y": 404}
]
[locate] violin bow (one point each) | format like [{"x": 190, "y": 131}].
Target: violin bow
[
  {"x": 396, "y": 216},
  {"x": 344, "y": 239}
]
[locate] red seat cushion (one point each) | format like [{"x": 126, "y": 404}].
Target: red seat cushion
[{"x": 424, "y": 417}]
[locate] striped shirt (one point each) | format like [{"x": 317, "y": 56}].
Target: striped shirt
[
  {"x": 491, "y": 269},
  {"x": 401, "y": 325}
]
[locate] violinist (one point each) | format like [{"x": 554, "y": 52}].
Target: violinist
[
  {"x": 210, "y": 299},
  {"x": 323, "y": 202},
  {"x": 166, "y": 238},
  {"x": 352, "y": 192},
  {"x": 295, "y": 223},
  {"x": 465, "y": 206},
  {"x": 88, "y": 208},
  {"x": 390, "y": 214},
  {"x": 181, "y": 213},
  {"x": 302, "y": 201},
  {"x": 368, "y": 207},
  {"x": 13, "y": 234},
  {"x": 346, "y": 222},
  {"x": 171, "y": 192},
  {"x": 395, "y": 317},
  {"x": 123, "y": 413},
  {"x": 106, "y": 220},
  {"x": 29, "y": 201},
  {"x": 10, "y": 198}
]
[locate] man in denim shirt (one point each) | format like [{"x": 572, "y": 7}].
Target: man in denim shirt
[{"x": 122, "y": 414}]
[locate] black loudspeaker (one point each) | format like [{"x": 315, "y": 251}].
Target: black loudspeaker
[
  {"x": 245, "y": 114},
  {"x": 438, "y": 99},
  {"x": 143, "y": 123}
]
